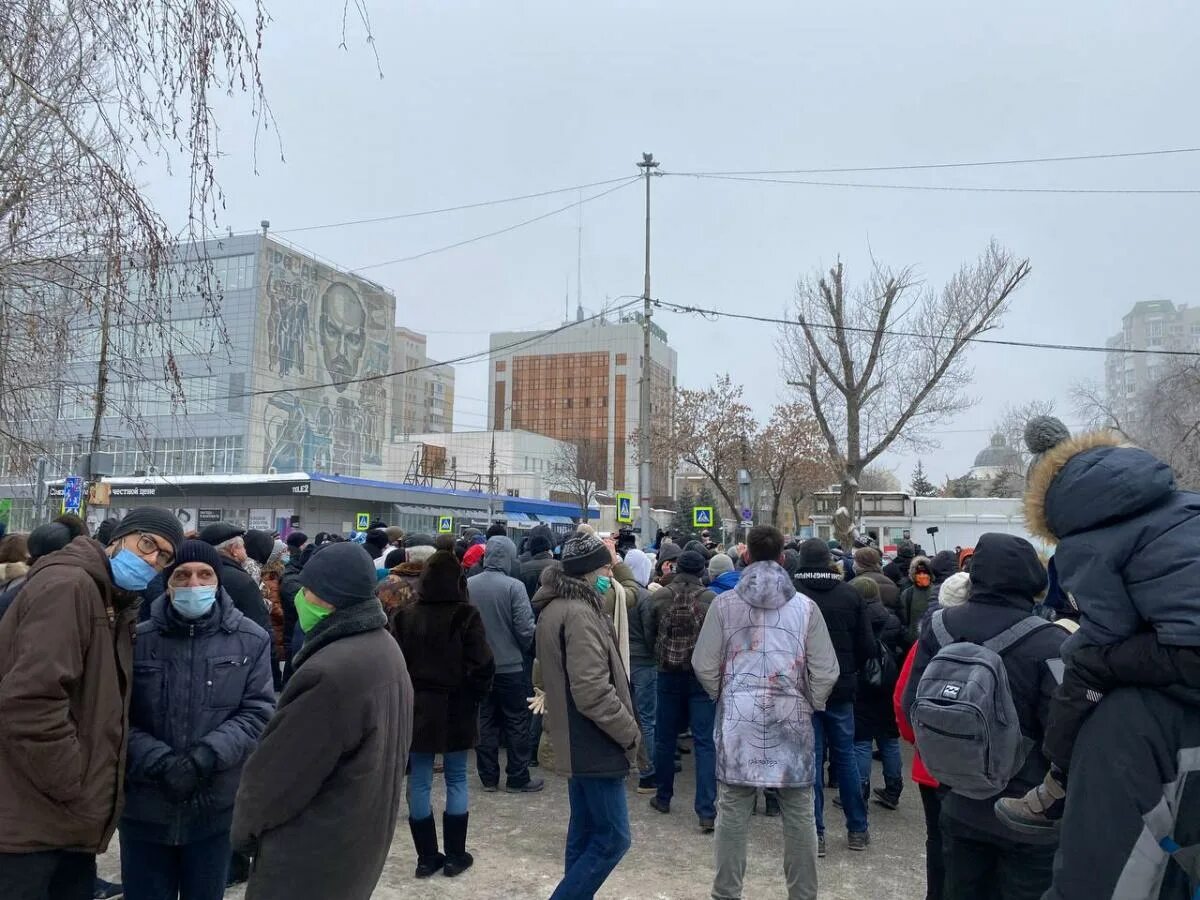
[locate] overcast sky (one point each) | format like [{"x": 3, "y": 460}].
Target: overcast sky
[{"x": 489, "y": 100}]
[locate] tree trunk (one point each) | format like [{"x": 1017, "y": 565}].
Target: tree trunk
[{"x": 101, "y": 375}]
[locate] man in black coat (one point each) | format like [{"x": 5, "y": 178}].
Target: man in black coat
[
  {"x": 897, "y": 569},
  {"x": 246, "y": 595},
  {"x": 981, "y": 851},
  {"x": 854, "y": 642},
  {"x": 540, "y": 557}
]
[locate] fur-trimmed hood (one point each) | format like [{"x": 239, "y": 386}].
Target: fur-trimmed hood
[
  {"x": 1090, "y": 480},
  {"x": 918, "y": 563},
  {"x": 557, "y": 584}
]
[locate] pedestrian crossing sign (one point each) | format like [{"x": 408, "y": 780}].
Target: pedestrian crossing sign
[
  {"x": 445, "y": 524},
  {"x": 702, "y": 516},
  {"x": 625, "y": 509},
  {"x": 362, "y": 521}
]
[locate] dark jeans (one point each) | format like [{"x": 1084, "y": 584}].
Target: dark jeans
[
  {"x": 504, "y": 719},
  {"x": 47, "y": 875},
  {"x": 835, "y": 727},
  {"x": 195, "y": 871},
  {"x": 597, "y": 836},
  {"x": 683, "y": 702},
  {"x": 935, "y": 866},
  {"x": 980, "y": 866}
]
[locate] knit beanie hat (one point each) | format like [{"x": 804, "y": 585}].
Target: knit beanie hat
[
  {"x": 395, "y": 533},
  {"x": 151, "y": 520},
  {"x": 258, "y": 545},
  {"x": 375, "y": 541},
  {"x": 814, "y": 554},
  {"x": 719, "y": 565},
  {"x": 691, "y": 562},
  {"x": 1043, "y": 433},
  {"x": 583, "y": 552},
  {"x": 956, "y": 590},
  {"x": 867, "y": 559},
  {"x": 198, "y": 552},
  {"x": 866, "y": 587},
  {"x": 341, "y": 574},
  {"x": 296, "y": 539}
]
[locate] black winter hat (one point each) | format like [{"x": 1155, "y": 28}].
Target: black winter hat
[
  {"x": 196, "y": 551},
  {"x": 696, "y": 547},
  {"x": 420, "y": 539},
  {"x": 814, "y": 554},
  {"x": 376, "y": 540},
  {"x": 152, "y": 520},
  {"x": 341, "y": 574},
  {"x": 943, "y": 565},
  {"x": 259, "y": 545},
  {"x": 668, "y": 552},
  {"x": 394, "y": 558},
  {"x": 539, "y": 543},
  {"x": 296, "y": 539},
  {"x": 583, "y": 553},
  {"x": 104, "y": 532},
  {"x": 219, "y": 532},
  {"x": 51, "y": 537},
  {"x": 691, "y": 562}
]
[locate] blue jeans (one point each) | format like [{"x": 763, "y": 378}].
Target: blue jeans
[
  {"x": 420, "y": 783},
  {"x": 194, "y": 871},
  {"x": 597, "y": 837},
  {"x": 645, "y": 698},
  {"x": 836, "y": 725},
  {"x": 682, "y": 701},
  {"x": 889, "y": 749}
]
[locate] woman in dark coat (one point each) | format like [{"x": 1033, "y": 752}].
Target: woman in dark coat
[{"x": 451, "y": 667}]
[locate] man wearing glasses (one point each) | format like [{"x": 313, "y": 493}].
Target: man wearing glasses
[{"x": 66, "y": 665}]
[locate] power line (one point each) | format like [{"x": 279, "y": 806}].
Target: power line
[
  {"x": 943, "y": 188},
  {"x": 957, "y": 165},
  {"x": 625, "y": 182},
  {"x": 1083, "y": 348},
  {"x": 448, "y": 209}
]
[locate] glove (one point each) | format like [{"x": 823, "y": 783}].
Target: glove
[
  {"x": 204, "y": 759},
  {"x": 180, "y": 779},
  {"x": 537, "y": 703}
]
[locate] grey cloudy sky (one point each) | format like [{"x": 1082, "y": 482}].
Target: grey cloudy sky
[{"x": 488, "y": 100}]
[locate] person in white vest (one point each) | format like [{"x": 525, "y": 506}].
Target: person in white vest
[{"x": 765, "y": 656}]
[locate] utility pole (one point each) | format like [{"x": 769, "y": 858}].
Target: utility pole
[
  {"x": 492, "y": 479},
  {"x": 647, "y": 165}
]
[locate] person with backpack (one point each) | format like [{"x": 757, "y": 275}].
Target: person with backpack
[
  {"x": 679, "y": 611},
  {"x": 874, "y": 720},
  {"x": 846, "y": 617},
  {"x": 990, "y": 654}
]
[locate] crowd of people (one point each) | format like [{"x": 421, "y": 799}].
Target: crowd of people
[{"x": 240, "y": 707}]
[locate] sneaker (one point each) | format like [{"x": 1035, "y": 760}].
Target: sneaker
[
  {"x": 858, "y": 840},
  {"x": 707, "y": 825},
  {"x": 106, "y": 890},
  {"x": 490, "y": 788},
  {"x": 532, "y": 786},
  {"x": 887, "y": 799},
  {"x": 658, "y": 805},
  {"x": 1039, "y": 812},
  {"x": 647, "y": 785},
  {"x": 820, "y": 846}
]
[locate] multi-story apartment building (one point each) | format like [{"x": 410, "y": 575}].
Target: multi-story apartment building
[
  {"x": 423, "y": 395},
  {"x": 581, "y": 385},
  {"x": 1149, "y": 325}
]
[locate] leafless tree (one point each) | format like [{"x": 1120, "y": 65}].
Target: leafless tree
[
  {"x": 576, "y": 469},
  {"x": 1011, "y": 426},
  {"x": 884, "y": 362},
  {"x": 877, "y": 478},
  {"x": 788, "y": 456}
]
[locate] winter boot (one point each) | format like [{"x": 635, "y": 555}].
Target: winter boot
[
  {"x": 458, "y": 860},
  {"x": 424, "y": 835},
  {"x": 1040, "y": 811},
  {"x": 889, "y": 796}
]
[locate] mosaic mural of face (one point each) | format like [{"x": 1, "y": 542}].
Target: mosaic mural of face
[{"x": 342, "y": 329}]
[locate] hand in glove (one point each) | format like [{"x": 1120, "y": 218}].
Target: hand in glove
[
  {"x": 537, "y": 703},
  {"x": 179, "y": 778}
]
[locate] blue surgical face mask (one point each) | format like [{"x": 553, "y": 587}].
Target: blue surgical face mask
[
  {"x": 193, "y": 602},
  {"x": 131, "y": 572}
]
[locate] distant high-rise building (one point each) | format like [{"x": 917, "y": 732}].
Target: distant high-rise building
[
  {"x": 581, "y": 385},
  {"x": 1149, "y": 325},
  {"x": 422, "y": 397}
]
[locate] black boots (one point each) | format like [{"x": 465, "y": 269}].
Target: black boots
[
  {"x": 458, "y": 860},
  {"x": 889, "y": 795},
  {"x": 424, "y": 835}
]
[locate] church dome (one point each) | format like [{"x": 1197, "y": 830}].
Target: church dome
[{"x": 998, "y": 455}]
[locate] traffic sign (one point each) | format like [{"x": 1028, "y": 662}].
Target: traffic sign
[
  {"x": 625, "y": 509},
  {"x": 702, "y": 515},
  {"x": 72, "y": 495},
  {"x": 747, "y": 514},
  {"x": 362, "y": 521},
  {"x": 445, "y": 524}
]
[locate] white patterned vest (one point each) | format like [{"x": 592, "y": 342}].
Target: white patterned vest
[{"x": 764, "y": 732}]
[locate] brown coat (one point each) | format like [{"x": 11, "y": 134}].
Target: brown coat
[{"x": 66, "y": 659}]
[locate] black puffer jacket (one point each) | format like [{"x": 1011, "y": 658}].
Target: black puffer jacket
[
  {"x": 873, "y": 708},
  {"x": 845, "y": 616},
  {"x": 1005, "y": 577}
]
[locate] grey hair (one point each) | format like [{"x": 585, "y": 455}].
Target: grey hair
[{"x": 228, "y": 545}]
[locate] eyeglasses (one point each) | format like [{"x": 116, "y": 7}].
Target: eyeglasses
[{"x": 146, "y": 544}]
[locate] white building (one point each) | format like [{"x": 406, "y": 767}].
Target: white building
[{"x": 423, "y": 397}]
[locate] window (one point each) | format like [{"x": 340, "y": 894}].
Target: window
[{"x": 1155, "y": 330}]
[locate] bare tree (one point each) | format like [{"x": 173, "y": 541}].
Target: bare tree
[
  {"x": 870, "y": 360},
  {"x": 877, "y": 478},
  {"x": 788, "y": 455},
  {"x": 1011, "y": 426},
  {"x": 576, "y": 469}
]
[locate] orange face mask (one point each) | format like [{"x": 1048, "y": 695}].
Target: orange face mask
[{"x": 922, "y": 579}]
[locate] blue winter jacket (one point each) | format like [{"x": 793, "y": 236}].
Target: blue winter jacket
[
  {"x": 1128, "y": 540},
  {"x": 726, "y": 581},
  {"x": 204, "y": 682}
]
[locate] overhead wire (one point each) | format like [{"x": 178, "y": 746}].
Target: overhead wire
[{"x": 940, "y": 188}]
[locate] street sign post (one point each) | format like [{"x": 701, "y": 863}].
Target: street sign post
[
  {"x": 362, "y": 521},
  {"x": 702, "y": 516},
  {"x": 625, "y": 509},
  {"x": 72, "y": 495},
  {"x": 445, "y": 524}
]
